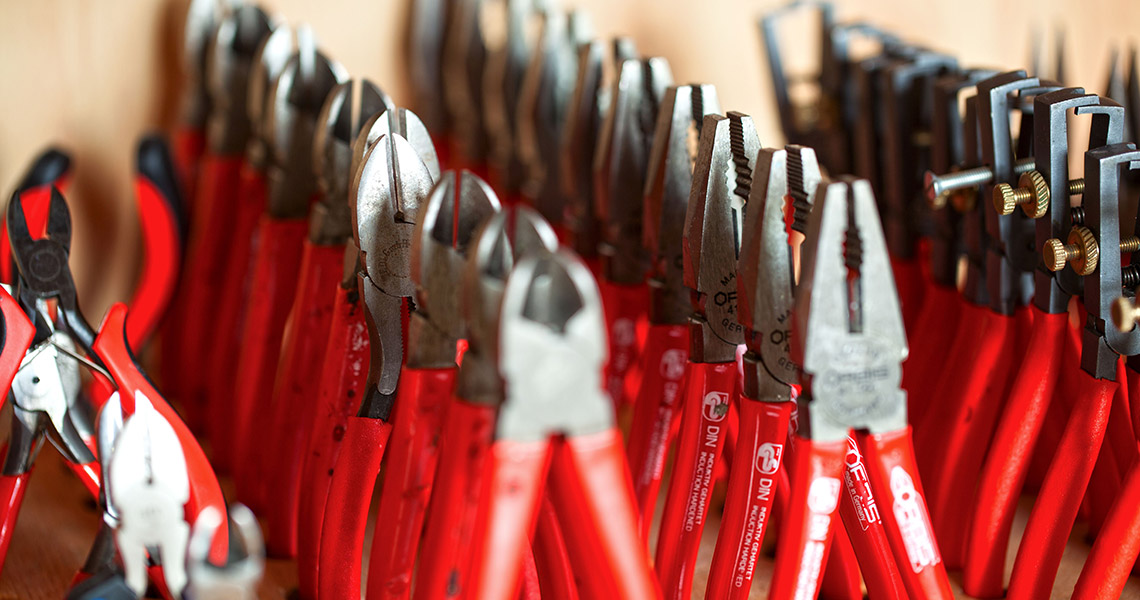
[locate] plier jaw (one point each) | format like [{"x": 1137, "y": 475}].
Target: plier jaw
[
  {"x": 579, "y": 139},
  {"x": 669, "y": 179},
  {"x": 428, "y": 30},
  {"x": 274, "y": 52},
  {"x": 714, "y": 223},
  {"x": 345, "y": 110},
  {"x": 465, "y": 57},
  {"x": 231, "y": 61},
  {"x": 620, "y": 164},
  {"x": 766, "y": 284},
  {"x": 202, "y": 17},
  {"x": 458, "y": 204},
  {"x": 849, "y": 330}
]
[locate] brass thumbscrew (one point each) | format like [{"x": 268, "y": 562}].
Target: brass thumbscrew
[
  {"x": 1032, "y": 195},
  {"x": 1082, "y": 251}
]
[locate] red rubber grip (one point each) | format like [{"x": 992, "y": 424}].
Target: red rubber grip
[
  {"x": 423, "y": 396},
  {"x": 552, "y": 569},
  {"x": 346, "y": 512},
  {"x": 161, "y": 262},
  {"x": 911, "y": 287},
  {"x": 1107, "y": 568},
  {"x": 894, "y": 475},
  {"x": 513, "y": 480},
  {"x": 342, "y": 382},
  {"x": 967, "y": 382},
  {"x": 655, "y": 414},
  {"x": 1055, "y": 510},
  {"x": 708, "y": 395},
  {"x": 18, "y": 333},
  {"x": 1007, "y": 465},
  {"x": 938, "y": 321},
  {"x": 863, "y": 522},
  {"x": 189, "y": 145},
  {"x": 593, "y": 495},
  {"x": 206, "y": 259},
  {"x": 445, "y": 558},
  {"x": 806, "y": 535},
  {"x": 297, "y": 383},
  {"x": 228, "y": 321},
  {"x": 624, "y": 306},
  {"x": 748, "y": 505},
  {"x": 12, "y": 490},
  {"x": 272, "y": 284},
  {"x": 205, "y": 491}
]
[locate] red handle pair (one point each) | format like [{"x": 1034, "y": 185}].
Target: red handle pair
[
  {"x": 342, "y": 382},
  {"x": 297, "y": 383},
  {"x": 655, "y": 414},
  {"x": 704, "y": 426},
  {"x": 938, "y": 322},
  {"x": 624, "y": 305}
]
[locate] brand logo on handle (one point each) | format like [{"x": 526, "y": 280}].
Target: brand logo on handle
[
  {"x": 768, "y": 458},
  {"x": 910, "y": 513},
  {"x": 673, "y": 364},
  {"x": 715, "y": 406}
]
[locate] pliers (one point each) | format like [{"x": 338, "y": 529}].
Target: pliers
[
  {"x": 228, "y": 320},
  {"x": 52, "y": 168},
  {"x": 543, "y": 105},
  {"x": 465, "y": 60},
  {"x": 1007, "y": 462},
  {"x": 556, "y": 422},
  {"x": 294, "y": 103},
  {"x": 848, "y": 335},
  {"x": 322, "y": 262},
  {"x": 621, "y": 161},
  {"x": 502, "y": 84},
  {"x": 1099, "y": 251},
  {"x": 765, "y": 291},
  {"x": 1125, "y": 89},
  {"x": 347, "y": 353},
  {"x": 446, "y": 559},
  {"x": 584, "y": 115},
  {"x": 385, "y": 198},
  {"x": 459, "y": 203},
  {"x": 202, "y": 19},
  {"x": 713, "y": 226},
  {"x": 236, "y": 579}
]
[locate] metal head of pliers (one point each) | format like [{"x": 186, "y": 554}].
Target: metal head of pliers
[
  {"x": 506, "y": 68},
  {"x": 465, "y": 56},
  {"x": 848, "y": 333},
  {"x": 503, "y": 239},
  {"x": 668, "y": 181},
  {"x": 295, "y": 100},
  {"x": 544, "y": 101},
  {"x": 348, "y": 106},
  {"x": 46, "y": 387},
  {"x": 268, "y": 62},
  {"x": 202, "y": 18},
  {"x": 387, "y": 193},
  {"x": 427, "y": 33},
  {"x": 584, "y": 115},
  {"x": 620, "y": 163},
  {"x": 714, "y": 224},
  {"x": 1123, "y": 86},
  {"x": 236, "y": 580},
  {"x": 230, "y": 64},
  {"x": 146, "y": 488},
  {"x": 459, "y": 203},
  {"x": 551, "y": 350},
  {"x": 767, "y": 281},
  {"x": 1109, "y": 232}
]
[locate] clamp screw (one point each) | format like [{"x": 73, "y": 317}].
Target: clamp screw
[
  {"x": 1032, "y": 194},
  {"x": 1125, "y": 314},
  {"x": 939, "y": 187},
  {"x": 1082, "y": 251}
]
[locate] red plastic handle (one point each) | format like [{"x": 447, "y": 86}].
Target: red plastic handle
[
  {"x": 297, "y": 383},
  {"x": 751, "y": 492},
  {"x": 229, "y": 316},
  {"x": 445, "y": 558},
  {"x": 271, "y": 296},
  {"x": 206, "y": 260},
  {"x": 17, "y": 333},
  {"x": 346, "y": 513},
  {"x": 655, "y": 414},
  {"x": 1109, "y": 562},
  {"x": 1055, "y": 510},
  {"x": 111, "y": 347},
  {"x": 862, "y": 516},
  {"x": 342, "y": 382},
  {"x": 162, "y": 260},
  {"x": 12, "y": 490},
  {"x": 624, "y": 306},
  {"x": 938, "y": 321},
  {"x": 512, "y": 491},
  {"x": 911, "y": 287},
  {"x": 593, "y": 495},
  {"x": 189, "y": 145},
  {"x": 423, "y": 397},
  {"x": 552, "y": 569},
  {"x": 1007, "y": 465},
  {"x": 708, "y": 395},
  {"x": 806, "y": 535},
  {"x": 894, "y": 476}
]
